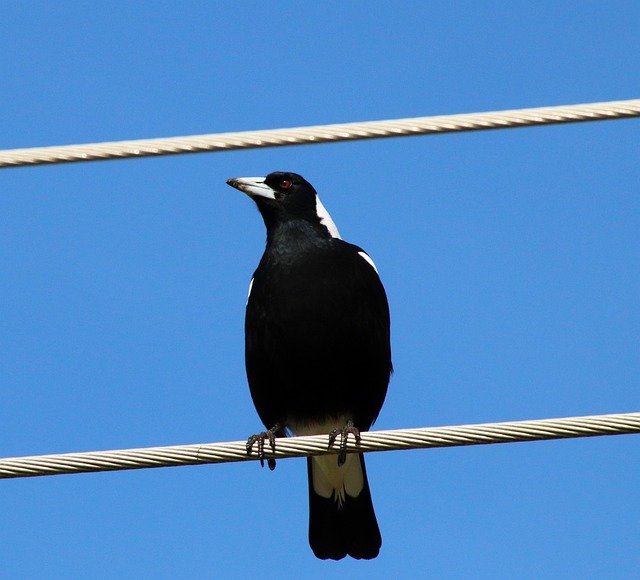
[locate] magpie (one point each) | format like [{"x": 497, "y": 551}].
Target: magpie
[{"x": 317, "y": 354}]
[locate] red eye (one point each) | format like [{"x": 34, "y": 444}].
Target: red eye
[{"x": 285, "y": 184}]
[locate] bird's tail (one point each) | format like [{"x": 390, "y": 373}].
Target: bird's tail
[{"x": 341, "y": 517}]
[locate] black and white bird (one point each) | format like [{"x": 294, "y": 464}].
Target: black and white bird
[{"x": 318, "y": 355}]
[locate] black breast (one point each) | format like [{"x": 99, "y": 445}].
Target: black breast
[{"x": 317, "y": 336}]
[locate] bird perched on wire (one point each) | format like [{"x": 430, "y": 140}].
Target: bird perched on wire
[{"x": 318, "y": 355}]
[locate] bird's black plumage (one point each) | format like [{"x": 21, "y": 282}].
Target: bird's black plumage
[{"x": 318, "y": 354}]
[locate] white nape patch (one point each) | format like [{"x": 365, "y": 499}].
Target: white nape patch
[
  {"x": 329, "y": 480},
  {"x": 325, "y": 219},
  {"x": 367, "y": 258},
  {"x": 249, "y": 292}
]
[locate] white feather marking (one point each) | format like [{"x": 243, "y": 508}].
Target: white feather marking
[
  {"x": 325, "y": 219},
  {"x": 249, "y": 292},
  {"x": 317, "y": 428},
  {"x": 329, "y": 480},
  {"x": 367, "y": 258}
]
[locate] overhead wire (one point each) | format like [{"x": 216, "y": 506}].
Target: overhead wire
[
  {"x": 321, "y": 133},
  {"x": 428, "y": 437},
  {"x": 197, "y": 454}
]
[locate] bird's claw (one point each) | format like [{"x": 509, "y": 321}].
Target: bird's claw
[
  {"x": 260, "y": 438},
  {"x": 344, "y": 434}
]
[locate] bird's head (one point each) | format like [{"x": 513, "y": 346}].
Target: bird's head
[{"x": 282, "y": 196}]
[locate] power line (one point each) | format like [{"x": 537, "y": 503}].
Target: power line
[
  {"x": 321, "y": 133},
  {"x": 485, "y": 433},
  {"x": 178, "y": 455}
]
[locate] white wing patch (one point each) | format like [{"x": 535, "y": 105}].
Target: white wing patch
[
  {"x": 249, "y": 292},
  {"x": 369, "y": 260},
  {"x": 325, "y": 219}
]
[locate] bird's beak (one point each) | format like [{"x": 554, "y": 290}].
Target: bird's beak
[{"x": 252, "y": 186}]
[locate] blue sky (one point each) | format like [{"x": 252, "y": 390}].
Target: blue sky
[{"x": 510, "y": 259}]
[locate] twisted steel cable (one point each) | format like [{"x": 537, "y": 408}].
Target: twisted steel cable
[
  {"x": 321, "y": 133},
  {"x": 480, "y": 434}
]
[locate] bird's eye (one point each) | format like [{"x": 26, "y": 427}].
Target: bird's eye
[{"x": 285, "y": 184}]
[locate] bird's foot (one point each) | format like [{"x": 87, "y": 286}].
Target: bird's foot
[
  {"x": 260, "y": 438},
  {"x": 344, "y": 434}
]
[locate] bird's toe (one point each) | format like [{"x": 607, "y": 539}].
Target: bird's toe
[
  {"x": 260, "y": 439},
  {"x": 349, "y": 428}
]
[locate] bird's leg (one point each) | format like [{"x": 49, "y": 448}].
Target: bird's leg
[
  {"x": 344, "y": 434},
  {"x": 260, "y": 438}
]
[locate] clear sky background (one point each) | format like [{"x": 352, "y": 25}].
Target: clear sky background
[{"x": 510, "y": 258}]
